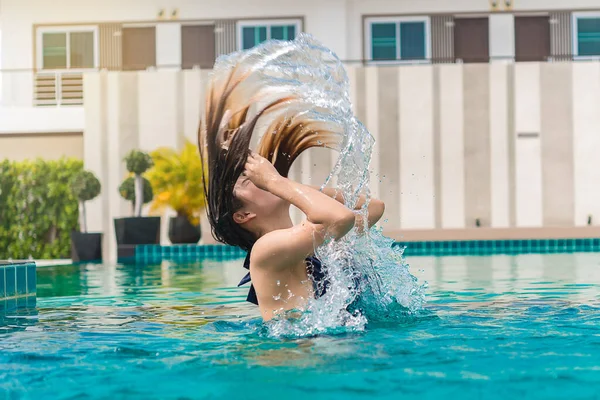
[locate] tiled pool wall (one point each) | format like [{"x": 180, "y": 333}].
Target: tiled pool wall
[
  {"x": 185, "y": 252},
  {"x": 17, "y": 284},
  {"x": 180, "y": 253},
  {"x": 491, "y": 247}
]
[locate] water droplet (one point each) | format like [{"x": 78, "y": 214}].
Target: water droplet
[{"x": 278, "y": 283}]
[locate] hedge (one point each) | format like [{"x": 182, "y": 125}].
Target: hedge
[{"x": 38, "y": 209}]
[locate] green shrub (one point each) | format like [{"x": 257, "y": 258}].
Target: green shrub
[
  {"x": 127, "y": 190},
  {"x": 138, "y": 162},
  {"x": 85, "y": 186},
  {"x": 38, "y": 209}
]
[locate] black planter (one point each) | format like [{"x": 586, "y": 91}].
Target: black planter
[
  {"x": 182, "y": 231},
  {"x": 137, "y": 230},
  {"x": 86, "y": 247}
]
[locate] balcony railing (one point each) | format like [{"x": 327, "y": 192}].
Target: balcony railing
[
  {"x": 44, "y": 88},
  {"x": 55, "y": 88}
]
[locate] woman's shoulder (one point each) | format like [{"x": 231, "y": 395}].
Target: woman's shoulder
[{"x": 279, "y": 248}]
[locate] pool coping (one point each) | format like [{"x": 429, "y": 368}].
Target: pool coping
[{"x": 487, "y": 233}]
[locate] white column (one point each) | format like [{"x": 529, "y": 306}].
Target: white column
[
  {"x": 499, "y": 145},
  {"x": 417, "y": 203},
  {"x": 372, "y": 124},
  {"x": 158, "y": 109},
  {"x": 452, "y": 146},
  {"x": 193, "y": 102},
  {"x": 586, "y": 120},
  {"x": 528, "y": 154},
  {"x": 94, "y": 146}
]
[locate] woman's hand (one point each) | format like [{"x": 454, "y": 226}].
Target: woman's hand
[{"x": 260, "y": 171}]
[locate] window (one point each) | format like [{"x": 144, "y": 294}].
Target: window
[
  {"x": 397, "y": 39},
  {"x": 586, "y": 34},
  {"x": 67, "y": 48},
  {"x": 253, "y": 33}
]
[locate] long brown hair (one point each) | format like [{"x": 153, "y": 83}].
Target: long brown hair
[{"x": 226, "y": 132}]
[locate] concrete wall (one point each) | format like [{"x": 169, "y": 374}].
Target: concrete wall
[
  {"x": 41, "y": 119},
  {"x": 50, "y": 146},
  {"x": 510, "y": 145}
]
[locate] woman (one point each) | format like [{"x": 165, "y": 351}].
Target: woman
[{"x": 249, "y": 196}]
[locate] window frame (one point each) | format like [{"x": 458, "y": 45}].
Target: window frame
[
  {"x": 575, "y": 39},
  {"x": 397, "y": 20},
  {"x": 66, "y": 30},
  {"x": 268, "y": 23}
]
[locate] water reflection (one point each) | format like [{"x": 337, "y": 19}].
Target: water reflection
[
  {"x": 164, "y": 330},
  {"x": 170, "y": 298},
  {"x": 522, "y": 276}
]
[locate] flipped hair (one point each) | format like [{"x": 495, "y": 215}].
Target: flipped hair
[{"x": 224, "y": 140}]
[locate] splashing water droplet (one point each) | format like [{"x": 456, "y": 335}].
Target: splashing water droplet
[{"x": 368, "y": 278}]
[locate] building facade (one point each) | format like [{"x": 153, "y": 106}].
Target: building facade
[
  {"x": 485, "y": 112},
  {"x": 46, "y": 47}
]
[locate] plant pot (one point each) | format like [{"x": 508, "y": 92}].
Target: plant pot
[
  {"x": 182, "y": 231},
  {"x": 137, "y": 230},
  {"x": 86, "y": 247}
]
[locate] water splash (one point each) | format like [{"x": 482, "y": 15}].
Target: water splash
[{"x": 368, "y": 277}]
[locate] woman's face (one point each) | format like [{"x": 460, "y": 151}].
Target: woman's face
[{"x": 255, "y": 200}]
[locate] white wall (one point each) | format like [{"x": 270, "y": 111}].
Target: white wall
[
  {"x": 502, "y": 36},
  {"x": 168, "y": 48},
  {"x": 41, "y": 120}
]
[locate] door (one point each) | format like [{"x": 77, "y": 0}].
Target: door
[
  {"x": 532, "y": 38},
  {"x": 197, "y": 46},
  {"x": 139, "y": 48},
  {"x": 471, "y": 40}
]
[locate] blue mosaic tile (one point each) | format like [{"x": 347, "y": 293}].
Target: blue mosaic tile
[
  {"x": 10, "y": 304},
  {"x": 13, "y": 284},
  {"x": 512, "y": 247},
  {"x": 183, "y": 253},
  {"x": 10, "y": 280},
  {"x": 21, "y": 271},
  {"x": 2, "y": 283},
  {"x": 31, "y": 279},
  {"x": 21, "y": 302}
]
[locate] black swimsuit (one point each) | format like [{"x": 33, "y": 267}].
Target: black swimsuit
[{"x": 315, "y": 271}]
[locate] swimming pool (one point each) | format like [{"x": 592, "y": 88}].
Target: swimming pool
[{"x": 499, "y": 327}]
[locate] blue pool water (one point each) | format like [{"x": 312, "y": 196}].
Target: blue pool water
[{"x": 495, "y": 327}]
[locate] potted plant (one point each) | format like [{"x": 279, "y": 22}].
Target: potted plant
[
  {"x": 85, "y": 246},
  {"x": 177, "y": 181},
  {"x": 137, "y": 230}
]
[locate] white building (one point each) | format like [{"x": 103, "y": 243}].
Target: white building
[
  {"x": 47, "y": 47},
  {"x": 41, "y": 38}
]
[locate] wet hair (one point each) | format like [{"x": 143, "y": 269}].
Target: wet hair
[{"x": 224, "y": 140}]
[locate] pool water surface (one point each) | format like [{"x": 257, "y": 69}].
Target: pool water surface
[{"x": 495, "y": 327}]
